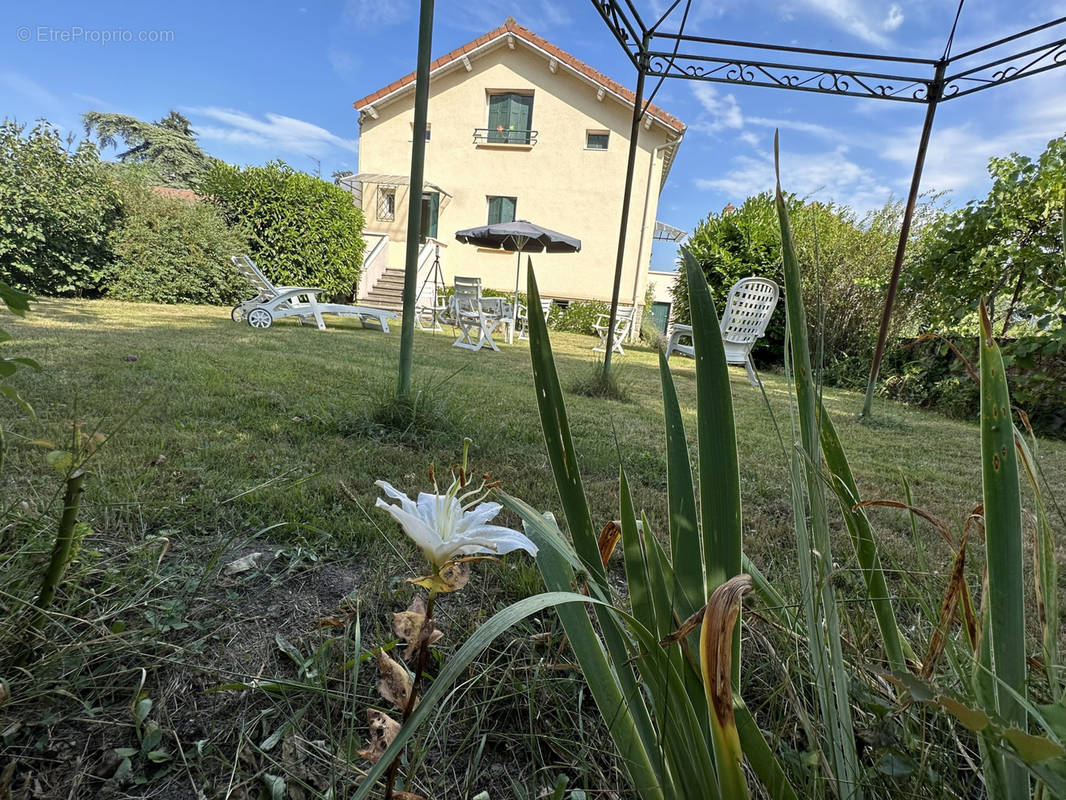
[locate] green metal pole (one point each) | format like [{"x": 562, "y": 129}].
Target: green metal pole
[
  {"x": 935, "y": 91},
  {"x": 414, "y": 205},
  {"x": 623, "y": 227}
]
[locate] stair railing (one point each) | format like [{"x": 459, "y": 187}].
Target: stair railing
[{"x": 375, "y": 262}]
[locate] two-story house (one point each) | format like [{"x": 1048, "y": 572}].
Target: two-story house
[{"x": 517, "y": 129}]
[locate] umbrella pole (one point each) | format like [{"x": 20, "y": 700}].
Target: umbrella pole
[{"x": 514, "y": 305}]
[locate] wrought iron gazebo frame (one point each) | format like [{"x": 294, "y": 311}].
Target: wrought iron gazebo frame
[{"x": 662, "y": 54}]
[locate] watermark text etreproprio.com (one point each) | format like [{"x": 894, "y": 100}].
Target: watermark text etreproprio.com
[{"x": 48, "y": 34}]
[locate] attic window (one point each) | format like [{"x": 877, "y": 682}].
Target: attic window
[
  {"x": 429, "y": 125},
  {"x": 596, "y": 140}
]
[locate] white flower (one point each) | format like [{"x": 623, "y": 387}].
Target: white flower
[{"x": 444, "y": 528}]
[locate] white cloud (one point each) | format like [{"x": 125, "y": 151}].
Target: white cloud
[
  {"x": 377, "y": 13},
  {"x": 484, "y": 15},
  {"x": 821, "y": 131},
  {"x": 894, "y": 18},
  {"x": 275, "y": 132},
  {"x": 959, "y": 151},
  {"x": 97, "y": 103},
  {"x": 822, "y": 176},
  {"x": 722, "y": 111},
  {"x": 343, "y": 61},
  {"x": 861, "y": 18},
  {"x": 44, "y": 102}
]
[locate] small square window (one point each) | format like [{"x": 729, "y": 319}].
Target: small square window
[
  {"x": 386, "y": 204},
  {"x": 596, "y": 140},
  {"x": 429, "y": 125}
]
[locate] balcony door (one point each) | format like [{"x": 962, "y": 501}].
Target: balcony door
[{"x": 510, "y": 118}]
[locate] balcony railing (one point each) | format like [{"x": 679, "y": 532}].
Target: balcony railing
[{"x": 504, "y": 136}]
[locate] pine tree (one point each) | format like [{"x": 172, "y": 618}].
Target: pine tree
[{"x": 168, "y": 146}]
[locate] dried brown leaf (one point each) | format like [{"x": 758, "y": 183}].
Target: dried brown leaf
[
  {"x": 453, "y": 576},
  {"x": 608, "y": 540},
  {"x": 395, "y": 684},
  {"x": 686, "y": 627},
  {"x": 716, "y": 646},
  {"x": 409, "y": 625},
  {"x": 243, "y": 564},
  {"x": 948, "y": 611},
  {"x": 937, "y": 524},
  {"x": 383, "y": 730}
]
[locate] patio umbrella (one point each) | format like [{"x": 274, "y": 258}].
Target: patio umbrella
[{"x": 520, "y": 237}]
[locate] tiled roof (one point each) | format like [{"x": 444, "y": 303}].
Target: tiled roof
[{"x": 513, "y": 28}]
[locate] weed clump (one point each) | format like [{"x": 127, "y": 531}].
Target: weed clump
[
  {"x": 593, "y": 383},
  {"x": 421, "y": 418}
]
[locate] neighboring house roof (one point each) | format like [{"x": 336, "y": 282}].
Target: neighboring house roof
[
  {"x": 511, "y": 28},
  {"x": 173, "y": 193}
]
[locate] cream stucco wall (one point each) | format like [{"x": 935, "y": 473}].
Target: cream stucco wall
[
  {"x": 662, "y": 283},
  {"x": 559, "y": 184}
]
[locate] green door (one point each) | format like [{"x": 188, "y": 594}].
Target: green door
[
  {"x": 430, "y": 210},
  {"x": 660, "y": 314}
]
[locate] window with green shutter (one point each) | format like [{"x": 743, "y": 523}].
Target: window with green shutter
[
  {"x": 510, "y": 118},
  {"x": 501, "y": 209}
]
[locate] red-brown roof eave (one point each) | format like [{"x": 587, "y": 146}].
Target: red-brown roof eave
[{"x": 512, "y": 27}]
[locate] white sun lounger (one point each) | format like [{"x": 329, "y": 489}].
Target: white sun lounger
[{"x": 276, "y": 302}]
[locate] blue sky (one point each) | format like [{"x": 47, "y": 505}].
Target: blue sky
[{"x": 268, "y": 80}]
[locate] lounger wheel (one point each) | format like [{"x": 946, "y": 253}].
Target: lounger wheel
[
  {"x": 260, "y": 318},
  {"x": 237, "y": 314}
]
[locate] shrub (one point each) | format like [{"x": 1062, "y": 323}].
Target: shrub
[
  {"x": 1006, "y": 248},
  {"x": 303, "y": 231},
  {"x": 57, "y": 203},
  {"x": 172, "y": 250},
  {"x": 927, "y": 373},
  {"x": 580, "y": 316},
  {"x": 853, "y": 257}
]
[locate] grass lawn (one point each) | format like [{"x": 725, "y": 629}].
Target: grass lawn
[{"x": 226, "y": 442}]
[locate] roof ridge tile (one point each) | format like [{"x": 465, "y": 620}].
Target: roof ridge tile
[{"x": 513, "y": 28}]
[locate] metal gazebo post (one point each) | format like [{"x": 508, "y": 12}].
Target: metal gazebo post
[
  {"x": 936, "y": 88},
  {"x": 414, "y": 204},
  {"x": 634, "y": 132}
]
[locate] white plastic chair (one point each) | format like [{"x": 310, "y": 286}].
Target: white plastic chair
[
  {"x": 275, "y": 302},
  {"x": 748, "y": 308},
  {"x": 523, "y": 317},
  {"x": 471, "y": 312},
  {"x": 429, "y": 315},
  {"x": 623, "y": 324}
]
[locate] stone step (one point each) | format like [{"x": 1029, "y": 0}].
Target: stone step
[{"x": 387, "y": 292}]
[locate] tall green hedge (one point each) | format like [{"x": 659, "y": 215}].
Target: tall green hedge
[
  {"x": 57, "y": 203},
  {"x": 846, "y": 262},
  {"x": 303, "y": 231},
  {"x": 172, "y": 250}
]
